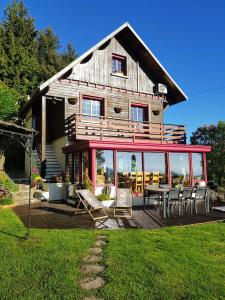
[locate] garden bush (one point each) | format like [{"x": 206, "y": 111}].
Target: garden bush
[
  {"x": 6, "y": 201},
  {"x": 7, "y": 183}
]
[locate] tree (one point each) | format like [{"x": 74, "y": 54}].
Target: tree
[
  {"x": 214, "y": 136},
  {"x": 18, "y": 39},
  {"x": 28, "y": 56},
  {"x": 68, "y": 56},
  {"x": 8, "y": 102},
  {"x": 49, "y": 58}
]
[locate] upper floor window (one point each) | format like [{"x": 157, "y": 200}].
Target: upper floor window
[
  {"x": 139, "y": 113},
  {"x": 119, "y": 65},
  {"x": 92, "y": 107}
]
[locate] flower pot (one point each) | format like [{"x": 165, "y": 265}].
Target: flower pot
[{"x": 33, "y": 183}]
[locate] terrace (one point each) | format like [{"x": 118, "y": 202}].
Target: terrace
[
  {"x": 84, "y": 127},
  {"x": 50, "y": 215}
]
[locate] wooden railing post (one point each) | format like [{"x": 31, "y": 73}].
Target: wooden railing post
[{"x": 162, "y": 132}]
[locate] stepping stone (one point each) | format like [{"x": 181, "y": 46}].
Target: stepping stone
[
  {"x": 95, "y": 250},
  {"x": 92, "y": 269},
  {"x": 92, "y": 298},
  {"x": 92, "y": 258},
  {"x": 90, "y": 283},
  {"x": 100, "y": 243},
  {"x": 101, "y": 237}
]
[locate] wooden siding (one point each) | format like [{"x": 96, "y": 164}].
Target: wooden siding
[
  {"x": 112, "y": 99},
  {"x": 98, "y": 69}
]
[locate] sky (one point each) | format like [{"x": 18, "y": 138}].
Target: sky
[{"x": 187, "y": 36}]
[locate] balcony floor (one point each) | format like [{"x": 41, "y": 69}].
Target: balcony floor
[{"x": 47, "y": 215}]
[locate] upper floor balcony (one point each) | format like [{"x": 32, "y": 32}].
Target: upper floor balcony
[{"x": 84, "y": 127}]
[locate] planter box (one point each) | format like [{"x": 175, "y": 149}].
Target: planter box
[
  {"x": 221, "y": 197},
  {"x": 108, "y": 203},
  {"x": 54, "y": 191}
]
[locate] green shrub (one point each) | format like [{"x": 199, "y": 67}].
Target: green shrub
[
  {"x": 6, "y": 201},
  {"x": 87, "y": 184},
  {"x": 221, "y": 189},
  {"x": 6, "y": 182},
  {"x": 103, "y": 197}
]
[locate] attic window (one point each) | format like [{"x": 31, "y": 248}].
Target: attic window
[{"x": 119, "y": 65}]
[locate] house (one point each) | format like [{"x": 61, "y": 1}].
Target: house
[{"x": 101, "y": 117}]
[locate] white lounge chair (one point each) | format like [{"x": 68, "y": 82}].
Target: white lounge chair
[{"x": 123, "y": 206}]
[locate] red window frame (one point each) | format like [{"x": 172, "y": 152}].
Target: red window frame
[{"x": 123, "y": 60}]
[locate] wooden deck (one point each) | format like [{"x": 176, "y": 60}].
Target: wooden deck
[{"x": 47, "y": 215}]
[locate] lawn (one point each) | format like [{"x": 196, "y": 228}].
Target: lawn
[{"x": 171, "y": 263}]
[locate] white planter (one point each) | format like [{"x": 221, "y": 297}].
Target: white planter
[
  {"x": 108, "y": 203},
  {"x": 54, "y": 191}
]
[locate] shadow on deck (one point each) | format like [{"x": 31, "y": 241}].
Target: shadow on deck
[{"x": 47, "y": 215}]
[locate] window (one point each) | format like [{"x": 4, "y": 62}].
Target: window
[
  {"x": 104, "y": 167},
  {"x": 179, "y": 168},
  {"x": 138, "y": 114},
  {"x": 197, "y": 166},
  {"x": 156, "y": 168},
  {"x": 85, "y": 166},
  {"x": 119, "y": 65},
  {"x": 92, "y": 107}
]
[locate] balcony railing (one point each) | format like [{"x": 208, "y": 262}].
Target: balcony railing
[{"x": 83, "y": 127}]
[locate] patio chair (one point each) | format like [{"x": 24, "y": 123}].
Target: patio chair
[
  {"x": 186, "y": 198},
  {"x": 91, "y": 205},
  {"x": 173, "y": 200},
  {"x": 154, "y": 196},
  {"x": 200, "y": 195},
  {"x": 123, "y": 206}
]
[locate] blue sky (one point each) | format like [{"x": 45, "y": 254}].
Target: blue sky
[{"x": 187, "y": 36}]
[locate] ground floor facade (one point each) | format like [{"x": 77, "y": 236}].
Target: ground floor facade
[{"x": 135, "y": 165}]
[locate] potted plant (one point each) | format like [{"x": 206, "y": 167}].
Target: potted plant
[{"x": 34, "y": 177}]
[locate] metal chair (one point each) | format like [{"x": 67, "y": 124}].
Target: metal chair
[
  {"x": 173, "y": 200},
  {"x": 152, "y": 195},
  {"x": 185, "y": 198},
  {"x": 200, "y": 195}
]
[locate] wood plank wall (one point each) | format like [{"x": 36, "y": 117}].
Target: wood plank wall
[
  {"x": 112, "y": 99},
  {"x": 99, "y": 68}
]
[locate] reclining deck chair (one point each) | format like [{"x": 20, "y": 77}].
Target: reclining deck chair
[
  {"x": 91, "y": 205},
  {"x": 123, "y": 206}
]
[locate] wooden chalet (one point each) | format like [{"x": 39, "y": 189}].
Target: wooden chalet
[{"x": 102, "y": 117}]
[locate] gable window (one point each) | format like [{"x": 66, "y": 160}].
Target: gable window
[
  {"x": 119, "y": 65},
  {"x": 92, "y": 107}
]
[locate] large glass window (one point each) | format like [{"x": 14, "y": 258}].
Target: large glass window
[
  {"x": 85, "y": 163},
  {"x": 156, "y": 168},
  {"x": 104, "y": 167},
  {"x": 129, "y": 170},
  {"x": 91, "y": 107},
  {"x": 197, "y": 166},
  {"x": 76, "y": 165},
  {"x": 179, "y": 168}
]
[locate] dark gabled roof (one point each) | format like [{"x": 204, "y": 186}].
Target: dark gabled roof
[{"x": 152, "y": 66}]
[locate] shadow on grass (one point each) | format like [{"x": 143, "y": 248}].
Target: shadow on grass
[{"x": 14, "y": 235}]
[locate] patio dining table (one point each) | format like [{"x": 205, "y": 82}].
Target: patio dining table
[{"x": 158, "y": 190}]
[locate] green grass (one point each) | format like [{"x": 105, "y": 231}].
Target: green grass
[{"x": 171, "y": 263}]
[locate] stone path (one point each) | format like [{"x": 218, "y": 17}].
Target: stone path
[{"x": 92, "y": 267}]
